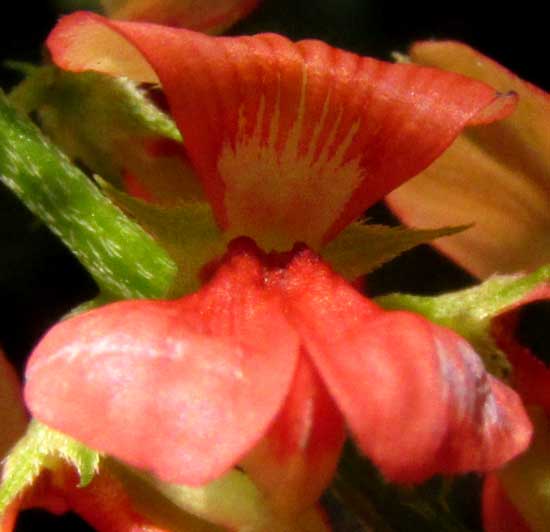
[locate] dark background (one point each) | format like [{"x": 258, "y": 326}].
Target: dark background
[{"x": 40, "y": 280}]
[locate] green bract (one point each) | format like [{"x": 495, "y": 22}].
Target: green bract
[
  {"x": 361, "y": 248},
  {"x": 43, "y": 448},
  {"x": 187, "y": 232}
]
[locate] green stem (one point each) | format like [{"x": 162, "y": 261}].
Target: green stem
[{"x": 124, "y": 260}]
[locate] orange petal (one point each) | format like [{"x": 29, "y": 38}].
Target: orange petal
[
  {"x": 136, "y": 188},
  {"x": 296, "y": 460},
  {"x": 497, "y": 177},
  {"x": 415, "y": 395},
  {"x": 12, "y": 411},
  {"x": 9, "y": 517},
  {"x": 209, "y": 16},
  {"x": 292, "y": 141},
  {"x": 182, "y": 388}
]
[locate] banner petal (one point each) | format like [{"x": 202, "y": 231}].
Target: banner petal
[
  {"x": 181, "y": 388},
  {"x": 292, "y": 141}
]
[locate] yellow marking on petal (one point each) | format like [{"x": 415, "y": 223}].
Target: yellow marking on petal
[
  {"x": 281, "y": 196},
  {"x": 275, "y": 121}
]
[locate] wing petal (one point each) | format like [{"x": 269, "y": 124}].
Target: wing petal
[{"x": 182, "y": 388}]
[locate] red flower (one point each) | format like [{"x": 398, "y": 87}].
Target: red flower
[
  {"x": 187, "y": 388},
  {"x": 276, "y": 352},
  {"x": 105, "y": 503}
]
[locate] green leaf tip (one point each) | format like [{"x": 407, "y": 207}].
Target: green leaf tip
[
  {"x": 41, "y": 448},
  {"x": 188, "y": 232},
  {"x": 232, "y": 502},
  {"x": 361, "y": 248}
]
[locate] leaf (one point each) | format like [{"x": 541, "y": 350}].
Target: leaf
[
  {"x": 187, "y": 232},
  {"x": 149, "y": 501},
  {"x": 470, "y": 312},
  {"x": 124, "y": 261},
  {"x": 130, "y": 109},
  {"x": 40, "y": 448},
  {"x": 361, "y": 248}
]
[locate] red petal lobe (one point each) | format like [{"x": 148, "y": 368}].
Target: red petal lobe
[
  {"x": 297, "y": 458},
  {"x": 415, "y": 395},
  {"x": 182, "y": 388}
]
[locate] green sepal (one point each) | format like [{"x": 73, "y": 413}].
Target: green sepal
[
  {"x": 469, "y": 312},
  {"x": 98, "y": 98},
  {"x": 188, "y": 232},
  {"x": 42, "y": 448},
  {"x": 122, "y": 258},
  {"x": 231, "y": 502},
  {"x": 152, "y": 503},
  {"x": 361, "y": 248},
  {"x": 109, "y": 125},
  {"x": 438, "y": 505}
]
